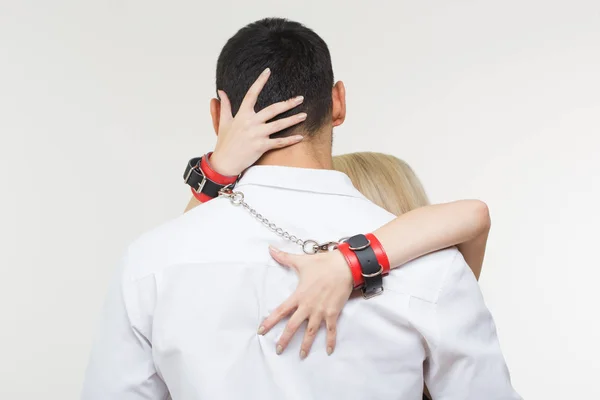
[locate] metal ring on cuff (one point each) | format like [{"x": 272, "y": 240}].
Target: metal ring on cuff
[
  {"x": 369, "y": 295},
  {"x": 313, "y": 248},
  {"x": 361, "y": 247},
  {"x": 374, "y": 274},
  {"x": 237, "y": 198}
]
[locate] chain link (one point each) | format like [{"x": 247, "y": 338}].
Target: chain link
[{"x": 308, "y": 246}]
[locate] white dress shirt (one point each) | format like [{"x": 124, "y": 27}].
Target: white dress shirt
[{"x": 181, "y": 318}]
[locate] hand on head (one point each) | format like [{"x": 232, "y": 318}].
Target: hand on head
[{"x": 244, "y": 139}]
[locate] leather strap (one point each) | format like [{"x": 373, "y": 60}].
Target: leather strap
[
  {"x": 380, "y": 253},
  {"x": 371, "y": 270},
  {"x": 198, "y": 181}
]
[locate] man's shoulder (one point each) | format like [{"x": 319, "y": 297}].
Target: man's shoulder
[
  {"x": 201, "y": 235},
  {"x": 426, "y": 276}
]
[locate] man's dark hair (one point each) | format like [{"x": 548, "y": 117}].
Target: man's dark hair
[{"x": 300, "y": 66}]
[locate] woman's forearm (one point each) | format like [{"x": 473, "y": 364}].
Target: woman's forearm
[
  {"x": 463, "y": 223},
  {"x": 193, "y": 203},
  {"x": 473, "y": 251}
]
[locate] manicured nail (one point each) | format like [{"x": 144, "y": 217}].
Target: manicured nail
[
  {"x": 261, "y": 330},
  {"x": 299, "y": 99},
  {"x": 329, "y": 350},
  {"x": 273, "y": 249},
  {"x": 302, "y": 116},
  {"x": 267, "y": 71},
  {"x": 279, "y": 349},
  {"x": 297, "y": 138},
  {"x": 302, "y": 354}
]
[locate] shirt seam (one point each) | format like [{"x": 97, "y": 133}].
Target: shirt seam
[
  {"x": 413, "y": 296},
  {"x": 438, "y": 335},
  {"x": 135, "y": 279},
  {"x": 274, "y": 186}
]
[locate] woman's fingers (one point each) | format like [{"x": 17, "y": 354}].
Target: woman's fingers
[
  {"x": 313, "y": 301},
  {"x": 314, "y": 322},
  {"x": 331, "y": 326},
  {"x": 225, "y": 107},
  {"x": 281, "y": 124},
  {"x": 282, "y": 142},
  {"x": 285, "y": 309},
  {"x": 252, "y": 95},
  {"x": 290, "y": 329},
  {"x": 274, "y": 110},
  {"x": 283, "y": 258}
]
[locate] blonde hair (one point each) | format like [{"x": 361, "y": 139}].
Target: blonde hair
[{"x": 384, "y": 179}]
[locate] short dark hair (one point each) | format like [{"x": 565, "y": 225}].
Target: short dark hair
[{"x": 300, "y": 65}]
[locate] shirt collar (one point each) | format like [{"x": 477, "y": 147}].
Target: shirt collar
[{"x": 303, "y": 179}]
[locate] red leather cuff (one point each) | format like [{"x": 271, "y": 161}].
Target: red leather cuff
[
  {"x": 201, "y": 197},
  {"x": 213, "y": 175},
  {"x": 382, "y": 257},
  {"x": 353, "y": 264}
]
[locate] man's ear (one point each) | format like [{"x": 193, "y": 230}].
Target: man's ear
[
  {"x": 215, "y": 113},
  {"x": 338, "y": 112}
]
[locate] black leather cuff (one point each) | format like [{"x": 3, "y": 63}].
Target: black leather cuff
[{"x": 194, "y": 177}]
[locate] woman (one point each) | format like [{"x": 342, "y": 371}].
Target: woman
[
  {"x": 325, "y": 282},
  {"x": 390, "y": 183}
]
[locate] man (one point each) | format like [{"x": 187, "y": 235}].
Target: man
[{"x": 181, "y": 318}]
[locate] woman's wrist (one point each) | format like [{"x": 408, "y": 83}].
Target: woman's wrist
[
  {"x": 335, "y": 259},
  {"x": 205, "y": 182},
  {"x": 367, "y": 261}
]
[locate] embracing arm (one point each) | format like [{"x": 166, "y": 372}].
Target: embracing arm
[
  {"x": 243, "y": 139},
  {"x": 464, "y": 223},
  {"x": 325, "y": 281},
  {"x": 194, "y": 202}
]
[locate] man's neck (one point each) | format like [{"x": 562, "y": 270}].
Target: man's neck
[{"x": 311, "y": 153}]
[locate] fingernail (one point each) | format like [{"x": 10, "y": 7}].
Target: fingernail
[
  {"x": 279, "y": 349},
  {"x": 302, "y": 116},
  {"x": 261, "y": 330},
  {"x": 329, "y": 350},
  {"x": 302, "y": 354},
  {"x": 273, "y": 249},
  {"x": 299, "y": 99},
  {"x": 266, "y": 71},
  {"x": 298, "y": 137}
]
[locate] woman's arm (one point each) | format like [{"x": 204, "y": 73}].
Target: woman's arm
[
  {"x": 325, "y": 281},
  {"x": 464, "y": 223},
  {"x": 194, "y": 202},
  {"x": 243, "y": 139}
]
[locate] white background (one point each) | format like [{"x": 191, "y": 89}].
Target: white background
[{"x": 102, "y": 102}]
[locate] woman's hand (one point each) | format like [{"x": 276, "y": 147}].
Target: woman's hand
[
  {"x": 244, "y": 139},
  {"x": 324, "y": 286}
]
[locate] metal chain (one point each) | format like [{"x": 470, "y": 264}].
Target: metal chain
[{"x": 308, "y": 246}]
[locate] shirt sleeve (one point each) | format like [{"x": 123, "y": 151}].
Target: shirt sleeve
[
  {"x": 465, "y": 360},
  {"x": 121, "y": 365}
]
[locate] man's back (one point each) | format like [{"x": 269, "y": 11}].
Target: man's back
[{"x": 195, "y": 290}]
